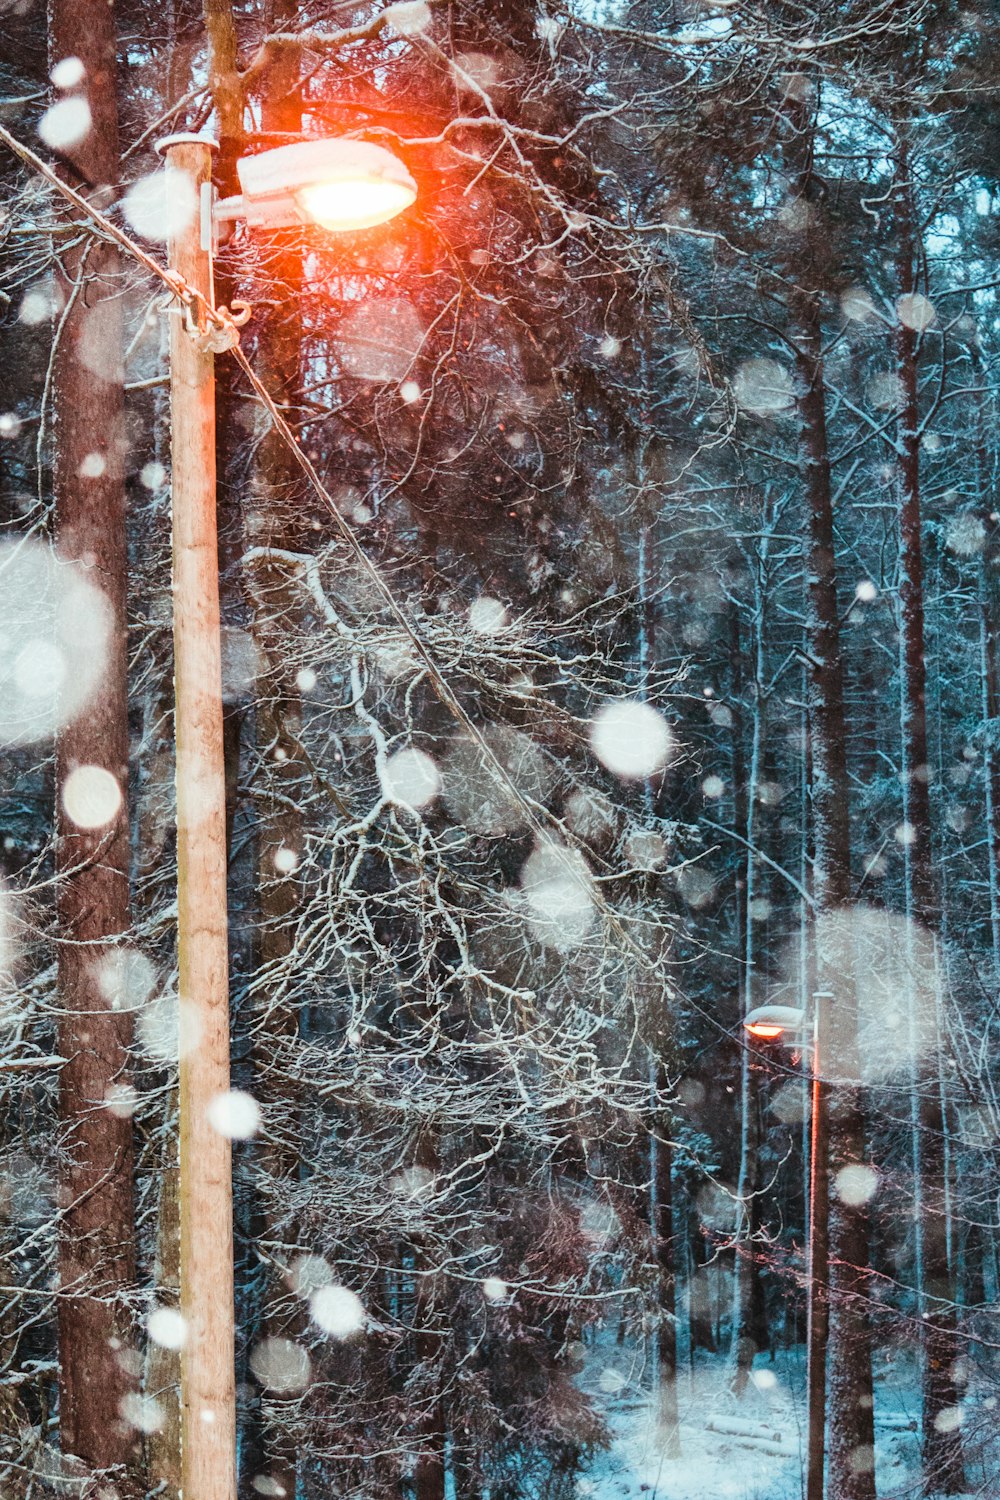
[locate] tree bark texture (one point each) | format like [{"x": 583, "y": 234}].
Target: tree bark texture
[
  {"x": 96, "y": 1250},
  {"x": 850, "y": 1430},
  {"x": 942, "y": 1437}
]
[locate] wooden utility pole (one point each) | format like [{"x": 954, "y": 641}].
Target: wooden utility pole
[{"x": 208, "y": 1396}]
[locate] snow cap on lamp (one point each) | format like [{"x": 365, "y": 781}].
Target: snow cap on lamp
[{"x": 341, "y": 185}]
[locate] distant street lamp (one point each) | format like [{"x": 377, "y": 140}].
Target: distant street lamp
[
  {"x": 771, "y": 1023},
  {"x": 784, "y": 1026},
  {"x": 341, "y": 186}
]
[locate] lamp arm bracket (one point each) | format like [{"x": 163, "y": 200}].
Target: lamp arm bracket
[{"x": 215, "y": 329}]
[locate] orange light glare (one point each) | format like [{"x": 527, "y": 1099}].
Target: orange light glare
[
  {"x": 766, "y": 1032},
  {"x": 354, "y": 203}
]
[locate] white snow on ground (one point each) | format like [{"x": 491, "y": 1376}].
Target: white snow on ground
[{"x": 720, "y": 1465}]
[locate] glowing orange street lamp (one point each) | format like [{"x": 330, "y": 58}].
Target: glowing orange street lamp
[
  {"x": 769, "y": 1023},
  {"x": 341, "y": 186}
]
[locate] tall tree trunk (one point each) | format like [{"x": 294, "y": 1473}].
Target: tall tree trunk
[
  {"x": 942, "y": 1440},
  {"x": 747, "y": 1298},
  {"x": 850, "y": 1411},
  {"x": 660, "y": 1151},
  {"x": 662, "y": 1224},
  {"x": 96, "y": 1250},
  {"x": 277, "y": 715}
]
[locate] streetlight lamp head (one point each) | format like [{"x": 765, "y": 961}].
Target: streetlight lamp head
[
  {"x": 341, "y": 185},
  {"x": 771, "y": 1023}
]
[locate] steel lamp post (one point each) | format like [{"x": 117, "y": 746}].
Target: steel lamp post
[
  {"x": 783, "y": 1026},
  {"x": 340, "y": 185}
]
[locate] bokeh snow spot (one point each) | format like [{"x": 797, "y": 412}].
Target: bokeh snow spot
[
  {"x": 39, "y": 303},
  {"x": 631, "y": 739},
  {"x": 93, "y": 466},
  {"x": 473, "y": 791},
  {"x": 379, "y": 340},
  {"x": 966, "y": 535},
  {"x": 916, "y": 312},
  {"x": 162, "y": 205},
  {"x": 55, "y": 632},
  {"x": 885, "y": 391},
  {"x": 559, "y": 889},
  {"x": 487, "y": 616},
  {"x": 308, "y": 1273},
  {"x": 152, "y": 476},
  {"x": 856, "y": 305},
  {"x": 125, "y": 977},
  {"x": 286, "y": 861},
  {"x": 234, "y": 1114},
  {"x": 144, "y": 1413},
  {"x": 495, "y": 1290},
  {"x": 66, "y": 123},
  {"x": 281, "y": 1365},
  {"x": 763, "y": 388},
  {"x": 68, "y": 73},
  {"x": 168, "y": 1029},
  {"x": 121, "y": 1100},
  {"x": 264, "y": 1484},
  {"x": 338, "y": 1311},
  {"x": 410, "y": 778},
  {"x": 856, "y": 1183},
  {"x": 91, "y": 797},
  {"x": 167, "y": 1327},
  {"x": 408, "y": 17},
  {"x": 480, "y": 71}
]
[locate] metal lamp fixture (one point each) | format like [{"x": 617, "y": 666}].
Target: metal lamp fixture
[
  {"x": 341, "y": 185},
  {"x": 773, "y": 1023}
]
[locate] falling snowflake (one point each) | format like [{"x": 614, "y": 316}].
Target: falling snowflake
[
  {"x": 916, "y": 312},
  {"x": 65, "y": 124},
  {"x": 167, "y": 1327},
  {"x": 281, "y": 1365},
  {"x": 764, "y": 388},
  {"x": 161, "y": 205},
  {"x": 856, "y": 1183},
  {"x": 410, "y": 778},
  {"x": 338, "y": 1311},
  {"x": 68, "y": 73},
  {"x": 632, "y": 739},
  {"x": 966, "y": 535},
  {"x": 235, "y": 1115},
  {"x": 91, "y": 797}
]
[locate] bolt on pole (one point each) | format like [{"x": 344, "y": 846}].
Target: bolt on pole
[{"x": 208, "y": 1396}]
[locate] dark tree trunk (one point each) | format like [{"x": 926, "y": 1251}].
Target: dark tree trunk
[
  {"x": 850, "y": 1412},
  {"x": 662, "y": 1225},
  {"x": 942, "y": 1439},
  {"x": 96, "y": 1253}
]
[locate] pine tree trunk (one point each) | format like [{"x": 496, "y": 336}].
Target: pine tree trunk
[
  {"x": 747, "y": 1298},
  {"x": 942, "y": 1441},
  {"x": 96, "y": 1245},
  {"x": 850, "y": 1412},
  {"x": 662, "y": 1226},
  {"x": 277, "y": 721}
]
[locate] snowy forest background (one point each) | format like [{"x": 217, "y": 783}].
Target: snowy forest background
[{"x": 667, "y": 419}]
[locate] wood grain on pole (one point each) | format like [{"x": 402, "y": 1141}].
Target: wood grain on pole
[{"x": 208, "y": 1420}]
